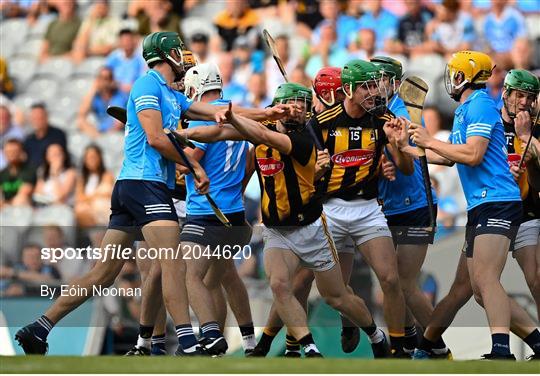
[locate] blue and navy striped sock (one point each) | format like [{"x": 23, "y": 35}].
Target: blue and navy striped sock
[
  {"x": 186, "y": 337},
  {"x": 158, "y": 345},
  {"x": 43, "y": 326},
  {"x": 211, "y": 330}
]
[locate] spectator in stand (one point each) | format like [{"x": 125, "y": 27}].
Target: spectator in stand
[
  {"x": 98, "y": 33},
  {"x": 447, "y": 210},
  {"x": 53, "y": 237},
  {"x": 494, "y": 85},
  {"x": 243, "y": 64},
  {"x": 6, "y": 84},
  {"x": 43, "y": 136},
  {"x": 451, "y": 30},
  {"x": 257, "y": 96},
  {"x": 104, "y": 93},
  {"x": 19, "y": 8},
  {"x": 27, "y": 277},
  {"x": 56, "y": 178},
  {"x": 232, "y": 90},
  {"x": 199, "y": 46},
  {"x": 300, "y": 76},
  {"x": 502, "y": 28},
  {"x": 308, "y": 16},
  {"x": 327, "y": 53},
  {"x": 155, "y": 15},
  {"x": 383, "y": 22},
  {"x": 8, "y": 131},
  {"x": 363, "y": 47},
  {"x": 236, "y": 19},
  {"x": 126, "y": 61},
  {"x": 17, "y": 179},
  {"x": 522, "y": 57},
  {"x": 411, "y": 35},
  {"x": 273, "y": 76},
  {"x": 94, "y": 190},
  {"x": 61, "y": 32},
  {"x": 332, "y": 13}
]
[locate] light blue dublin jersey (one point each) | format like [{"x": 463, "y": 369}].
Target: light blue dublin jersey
[
  {"x": 225, "y": 165},
  {"x": 491, "y": 180},
  {"x": 141, "y": 161},
  {"x": 406, "y": 192}
]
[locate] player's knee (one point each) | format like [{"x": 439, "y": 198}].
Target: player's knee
[
  {"x": 390, "y": 282},
  {"x": 336, "y": 302},
  {"x": 280, "y": 288}
]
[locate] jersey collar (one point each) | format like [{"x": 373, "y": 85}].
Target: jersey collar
[{"x": 157, "y": 76}]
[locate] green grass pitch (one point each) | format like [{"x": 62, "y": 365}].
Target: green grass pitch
[{"x": 133, "y": 365}]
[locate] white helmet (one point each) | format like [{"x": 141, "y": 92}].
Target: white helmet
[{"x": 203, "y": 78}]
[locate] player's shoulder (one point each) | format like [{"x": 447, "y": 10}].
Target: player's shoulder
[
  {"x": 383, "y": 118},
  {"x": 144, "y": 83},
  {"x": 330, "y": 114}
]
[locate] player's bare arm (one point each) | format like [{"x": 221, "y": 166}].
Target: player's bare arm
[
  {"x": 258, "y": 133},
  {"x": 212, "y": 133},
  {"x": 206, "y": 111},
  {"x": 395, "y": 130},
  {"x": 470, "y": 153},
  {"x": 323, "y": 163},
  {"x": 151, "y": 122}
]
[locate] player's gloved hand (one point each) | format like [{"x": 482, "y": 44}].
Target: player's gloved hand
[
  {"x": 419, "y": 135},
  {"x": 522, "y": 123},
  {"x": 388, "y": 169}
]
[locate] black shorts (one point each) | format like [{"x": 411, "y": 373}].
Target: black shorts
[
  {"x": 500, "y": 218},
  {"x": 410, "y": 227},
  {"x": 135, "y": 203},
  {"x": 207, "y": 230}
]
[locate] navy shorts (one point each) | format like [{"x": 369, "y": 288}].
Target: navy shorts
[
  {"x": 135, "y": 203},
  {"x": 500, "y": 218},
  {"x": 207, "y": 230},
  {"x": 410, "y": 227}
]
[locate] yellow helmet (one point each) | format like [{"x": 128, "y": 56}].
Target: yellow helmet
[{"x": 472, "y": 66}]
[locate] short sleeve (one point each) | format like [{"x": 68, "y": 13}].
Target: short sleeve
[
  {"x": 146, "y": 94},
  {"x": 195, "y": 124},
  {"x": 481, "y": 118},
  {"x": 302, "y": 146},
  {"x": 183, "y": 102}
]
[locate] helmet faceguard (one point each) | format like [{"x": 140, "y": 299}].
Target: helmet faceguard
[
  {"x": 392, "y": 71},
  {"x": 520, "y": 92},
  {"x": 293, "y": 93},
  {"x": 327, "y": 83},
  {"x": 368, "y": 78},
  {"x": 203, "y": 78},
  {"x": 471, "y": 68},
  {"x": 165, "y": 46}
]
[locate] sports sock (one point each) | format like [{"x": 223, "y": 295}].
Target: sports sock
[
  {"x": 158, "y": 342},
  {"x": 267, "y": 337},
  {"x": 533, "y": 340},
  {"x": 374, "y": 334},
  {"x": 426, "y": 345},
  {"x": 248, "y": 336},
  {"x": 211, "y": 330},
  {"x": 397, "y": 341},
  {"x": 500, "y": 343},
  {"x": 291, "y": 344},
  {"x": 186, "y": 337},
  {"x": 145, "y": 335},
  {"x": 410, "y": 341},
  {"x": 43, "y": 327}
]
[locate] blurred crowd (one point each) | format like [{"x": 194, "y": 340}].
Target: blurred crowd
[{"x": 63, "y": 62}]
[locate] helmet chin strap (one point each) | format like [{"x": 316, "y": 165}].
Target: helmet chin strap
[
  {"x": 511, "y": 114},
  {"x": 178, "y": 74}
]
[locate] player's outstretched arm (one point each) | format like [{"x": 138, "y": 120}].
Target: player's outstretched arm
[
  {"x": 206, "y": 111},
  {"x": 471, "y": 153},
  {"x": 212, "y": 133},
  {"x": 256, "y": 132}
]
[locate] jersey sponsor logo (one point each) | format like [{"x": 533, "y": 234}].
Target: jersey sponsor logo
[
  {"x": 353, "y": 158},
  {"x": 269, "y": 166},
  {"x": 514, "y": 159}
]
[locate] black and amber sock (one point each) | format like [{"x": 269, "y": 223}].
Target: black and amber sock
[
  {"x": 267, "y": 338},
  {"x": 397, "y": 341},
  {"x": 410, "y": 340},
  {"x": 291, "y": 344}
]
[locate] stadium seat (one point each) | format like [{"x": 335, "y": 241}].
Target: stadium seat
[
  {"x": 14, "y": 29},
  {"x": 22, "y": 67},
  {"x": 89, "y": 66},
  {"x": 16, "y": 220},
  {"x": 77, "y": 142},
  {"x": 56, "y": 66},
  {"x": 77, "y": 86},
  {"x": 31, "y": 47},
  {"x": 192, "y": 25},
  {"x": 61, "y": 215},
  {"x": 43, "y": 87},
  {"x": 25, "y": 101},
  {"x": 39, "y": 28}
]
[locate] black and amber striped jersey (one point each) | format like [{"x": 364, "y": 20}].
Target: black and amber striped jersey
[
  {"x": 355, "y": 147},
  {"x": 530, "y": 196},
  {"x": 287, "y": 182}
]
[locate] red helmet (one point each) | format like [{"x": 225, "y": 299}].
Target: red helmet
[{"x": 328, "y": 79}]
